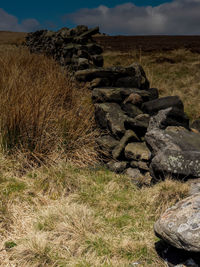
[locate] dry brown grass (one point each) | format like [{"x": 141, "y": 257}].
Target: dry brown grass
[
  {"x": 42, "y": 111},
  {"x": 12, "y": 38}
]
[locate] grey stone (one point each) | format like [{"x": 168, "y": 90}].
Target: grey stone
[
  {"x": 97, "y": 60},
  {"x": 136, "y": 177},
  {"x": 181, "y": 164},
  {"x": 110, "y": 116},
  {"x": 169, "y": 117},
  {"x": 153, "y": 106},
  {"x": 194, "y": 186},
  {"x": 135, "y": 71},
  {"x": 119, "y": 149},
  {"x": 131, "y": 110},
  {"x": 139, "y": 164},
  {"x": 115, "y": 94},
  {"x": 137, "y": 151},
  {"x": 117, "y": 166},
  {"x": 180, "y": 224},
  {"x": 139, "y": 124}
]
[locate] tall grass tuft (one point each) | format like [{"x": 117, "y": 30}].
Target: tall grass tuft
[{"x": 41, "y": 110}]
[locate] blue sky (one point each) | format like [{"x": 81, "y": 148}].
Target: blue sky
[{"x": 137, "y": 17}]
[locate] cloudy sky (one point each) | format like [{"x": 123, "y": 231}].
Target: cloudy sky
[{"x": 136, "y": 17}]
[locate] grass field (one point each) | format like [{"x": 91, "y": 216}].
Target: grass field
[{"x": 56, "y": 207}]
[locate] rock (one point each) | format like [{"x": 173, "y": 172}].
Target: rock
[
  {"x": 139, "y": 124},
  {"x": 119, "y": 149},
  {"x": 115, "y": 94},
  {"x": 154, "y": 93},
  {"x": 117, "y": 166},
  {"x": 110, "y": 116},
  {"x": 82, "y": 63},
  {"x": 99, "y": 82},
  {"x": 134, "y": 99},
  {"x": 194, "y": 186},
  {"x": 90, "y": 32},
  {"x": 137, "y": 151},
  {"x": 169, "y": 117},
  {"x": 180, "y": 224},
  {"x": 107, "y": 142},
  {"x": 135, "y": 71},
  {"x": 153, "y": 106},
  {"x": 131, "y": 110},
  {"x": 106, "y": 95},
  {"x": 139, "y": 164},
  {"x": 98, "y": 60},
  {"x": 196, "y": 125},
  {"x": 180, "y": 164},
  {"x": 94, "y": 49}
]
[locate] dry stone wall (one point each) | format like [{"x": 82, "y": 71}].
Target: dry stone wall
[
  {"x": 72, "y": 48},
  {"x": 142, "y": 135}
]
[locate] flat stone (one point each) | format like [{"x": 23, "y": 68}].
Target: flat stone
[
  {"x": 119, "y": 149},
  {"x": 153, "y": 106},
  {"x": 131, "y": 110},
  {"x": 137, "y": 151},
  {"x": 180, "y": 225},
  {"x": 116, "y": 94}
]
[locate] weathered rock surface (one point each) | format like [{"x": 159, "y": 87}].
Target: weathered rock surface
[
  {"x": 180, "y": 163},
  {"x": 119, "y": 149},
  {"x": 113, "y": 74},
  {"x": 140, "y": 165},
  {"x": 196, "y": 125},
  {"x": 117, "y": 94},
  {"x": 152, "y": 107},
  {"x": 169, "y": 117},
  {"x": 180, "y": 225},
  {"x": 131, "y": 110},
  {"x": 110, "y": 116},
  {"x": 139, "y": 124},
  {"x": 137, "y": 151}
]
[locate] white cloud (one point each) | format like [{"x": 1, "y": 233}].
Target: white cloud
[
  {"x": 10, "y": 23},
  {"x": 176, "y": 17}
]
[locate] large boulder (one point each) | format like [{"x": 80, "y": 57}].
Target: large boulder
[
  {"x": 177, "y": 163},
  {"x": 180, "y": 225}
]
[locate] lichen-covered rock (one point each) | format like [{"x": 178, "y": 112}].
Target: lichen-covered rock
[
  {"x": 119, "y": 149},
  {"x": 142, "y": 165},
  {"x": 180, "y": 225},
  {"x": 179, "y": 163},
  {"x": 137, "y": 151}
]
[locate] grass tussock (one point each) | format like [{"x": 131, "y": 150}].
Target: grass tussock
[
  {"x": 97, "y": 219},
  {"x": 42, "y": 112}
]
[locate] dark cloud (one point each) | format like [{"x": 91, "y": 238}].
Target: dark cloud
[
  {"x": 176, "y": 17},
  {"x": 10, "y": 23}
]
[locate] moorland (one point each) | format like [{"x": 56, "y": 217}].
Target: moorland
[{"x": 58, "y": 205}]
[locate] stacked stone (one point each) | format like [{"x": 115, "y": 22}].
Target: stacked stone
[
  {"x": 133, "y": 121},
  {"x": 70, "y": 47}
]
